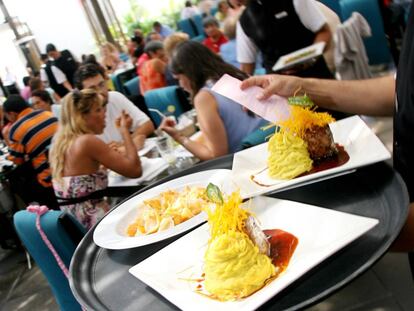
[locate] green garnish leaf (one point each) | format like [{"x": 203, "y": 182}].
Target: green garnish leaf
[
  {"x": 303, "y": 101},
  {"x": 214, "y": 194}
]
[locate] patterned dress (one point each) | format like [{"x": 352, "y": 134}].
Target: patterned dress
[{"x": 89, "y": 212}]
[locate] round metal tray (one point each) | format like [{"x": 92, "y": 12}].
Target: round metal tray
[{"x": 100, "y": 280}]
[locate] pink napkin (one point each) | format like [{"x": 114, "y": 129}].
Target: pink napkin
[{"x": 273, "y": 109}]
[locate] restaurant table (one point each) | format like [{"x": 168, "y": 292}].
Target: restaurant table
[{"x": 100, "y": 280}]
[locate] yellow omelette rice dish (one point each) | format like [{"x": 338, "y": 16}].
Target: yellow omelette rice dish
[{"x": 234, "y": 268}]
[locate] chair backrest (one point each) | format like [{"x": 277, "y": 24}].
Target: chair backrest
[
  {"x": 376, "y": 45},
  {"x": 198, "y": 20},
  {"x": 189, "y": 26},
  {"x": 259, "y": 136},
  {"x": 165, "y": 100},
  {"x": 131, "y": 87},
  {"x": 57, "y": 232},
  {"x": 213, "y": 11},
  {"x": 119, "y": 78},
  {"x": 199, "y": 38}
]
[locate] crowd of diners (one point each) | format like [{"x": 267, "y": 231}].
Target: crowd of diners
[{"x": 70, "y": 126}]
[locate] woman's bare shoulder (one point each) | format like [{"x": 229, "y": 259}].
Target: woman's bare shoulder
[
  {"x": 205, "y": 98},
  {"x": 88, "y": 142}
]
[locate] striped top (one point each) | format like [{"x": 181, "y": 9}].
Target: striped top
[{"x": 30, "y": 137}]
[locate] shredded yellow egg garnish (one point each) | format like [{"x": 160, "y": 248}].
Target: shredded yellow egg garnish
[
  {"x": 288, "y": 156},
  {"x": 168, "y": 209},
  {"x": 303, "y": 118},
  {"x": 234, "y": 268},
  {"x": 288, "y": 153}
]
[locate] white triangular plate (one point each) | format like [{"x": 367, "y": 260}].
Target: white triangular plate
[
  {"x": 321, "y": 233},
  {"x": 362, "y": 145}
]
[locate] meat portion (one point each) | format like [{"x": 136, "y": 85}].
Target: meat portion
[
  {"x": 257, "y": 236},
  {"x": 320, "y": 143}
]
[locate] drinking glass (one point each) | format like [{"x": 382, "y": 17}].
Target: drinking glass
[{"x": 166, "y": 149}]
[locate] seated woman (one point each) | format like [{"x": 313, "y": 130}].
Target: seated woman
[
  {"x": 223, "y": 11},
  {"x": 169, "y": 45},
  {"x": 77, "y": 155},
  {"x": 223, "y": 122},
  {"x": 152, "y": 73},
  {"x": 110, "y": 57}
]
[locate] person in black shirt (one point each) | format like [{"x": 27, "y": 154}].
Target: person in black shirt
[
  {"x": 277, "y": 28},
  {"x": 51, "y": 77},
  {"x": 63, "y": 60},
  {"x": 378, "y": 97}
]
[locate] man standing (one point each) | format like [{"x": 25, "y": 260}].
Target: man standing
[
  {"x": 53, "y": 77},
  {"x": 93, "y": 76},
  {"x": 63, "y": 60},
  {"x": 29, "y": 139},
  {"x": 276, "y": 28}
]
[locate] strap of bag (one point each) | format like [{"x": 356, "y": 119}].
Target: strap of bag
[{"x": 39, "y": 211}]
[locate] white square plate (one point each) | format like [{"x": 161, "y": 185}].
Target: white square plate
[
  {"x": 308, "y": 53},
  {"x": 352, "y": 133},
  {"x": 321, "y": 232},
  {"x": 111, "y": 231}
]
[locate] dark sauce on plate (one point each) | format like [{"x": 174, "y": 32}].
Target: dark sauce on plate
[
  {"x": 337, "y": 160},
  {"x": 282, "y": 247}
]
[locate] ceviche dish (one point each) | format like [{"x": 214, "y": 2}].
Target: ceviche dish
[{"x": 167, "y": 210}]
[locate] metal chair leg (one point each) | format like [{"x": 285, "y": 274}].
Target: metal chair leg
[{"x": 29, "y": 262}]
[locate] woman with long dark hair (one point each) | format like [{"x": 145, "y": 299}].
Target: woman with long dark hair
[{"x": 222, "y": 121}]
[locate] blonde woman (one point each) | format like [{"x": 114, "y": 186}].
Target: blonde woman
[
  {"x": 172, "y": 41},
  {"x": 77, "y": 155},
  {"x": 110, "y": 57}
]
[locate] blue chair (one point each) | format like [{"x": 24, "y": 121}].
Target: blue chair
[
  {"x": 213, "y": 11},
  {"x": 131, "y": 87},
  {"x": 199, "y": 38},
  {"x": 198, "y": 20},
  {"x": 56, "y": 229},
  {"x": 192, "y": 26},
  {"x": 119, "y": 78},
  {"x": 165, "y": 100},
  {"x": 185, "y": 26},
  {"x": 376, "y": 45},
  {"x": 259, "y": 136},
  {"x": 116, "y": 83}
]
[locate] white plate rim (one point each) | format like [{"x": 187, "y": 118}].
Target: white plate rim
[{"x": 107, "y": 226}]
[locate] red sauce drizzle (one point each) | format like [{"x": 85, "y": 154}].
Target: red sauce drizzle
[
  {"x": 282, "y": 247},
  {"x": 337, "y": 160}
]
